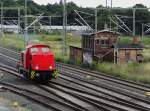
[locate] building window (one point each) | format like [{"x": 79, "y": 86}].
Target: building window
[
  {"x": 104, "y": 43},
  {"x": 97, "y": 42}
]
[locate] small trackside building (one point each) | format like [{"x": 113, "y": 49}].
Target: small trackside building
[
  {"x": 103, "y": 46},
  {"x": 128, "y": 53}
]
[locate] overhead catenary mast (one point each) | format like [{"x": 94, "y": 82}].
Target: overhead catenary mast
[
  {"x": 1, "y": 19},
  {"x": 26, "y": 24},
  {"x": 64, "y": 49},
  {"x": 111, "y": 3}
]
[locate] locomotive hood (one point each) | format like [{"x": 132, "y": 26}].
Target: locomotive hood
[{"x": 42, "y": 62}]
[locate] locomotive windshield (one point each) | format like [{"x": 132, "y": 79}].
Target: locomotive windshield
[
  {"x": 45, "y": 50},
  {"x": 34, "y": 50}
]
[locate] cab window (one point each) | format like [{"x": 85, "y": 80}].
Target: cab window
[
  {"x": 34, "y": 50},
  {"x": 45, "y": 50}
]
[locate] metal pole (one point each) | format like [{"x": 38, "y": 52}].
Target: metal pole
[
  {"x": 34, "y": 30},
  {"x": 95, "y": 27},
  {"x": 64, "y": 51},
  {"x": 26, "y": 24},
  {"x": 50, "y": 23},
  {"x": 1, "y": 20},
  {"x": 90, "y": 28},
  {"x": 142, "y": 30},
  {"x": 19, "y": 20},
  {"x": 134, "y": 10},
  {"x": 96, "y": 21},
  {"x": 110, "y": 20},
  {"x": 106, "y": 3},
  {"x": 111, "y": 4}
]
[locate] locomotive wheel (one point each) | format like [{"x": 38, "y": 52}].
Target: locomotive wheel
[{"x": 26, "y": 75}]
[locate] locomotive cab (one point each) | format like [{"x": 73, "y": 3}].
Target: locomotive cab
[{"x": 37, "y": 62}]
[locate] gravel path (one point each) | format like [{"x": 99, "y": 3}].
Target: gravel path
[{"x": 13, "y": 102}]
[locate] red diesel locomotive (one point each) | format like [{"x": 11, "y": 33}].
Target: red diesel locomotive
[{"x": 37, "y": 63}]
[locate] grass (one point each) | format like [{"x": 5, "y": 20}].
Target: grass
[
  {"x": 13, "y": 41},
  {"x": 131, "y": 71},
  {"x": 53, "y": 40}
]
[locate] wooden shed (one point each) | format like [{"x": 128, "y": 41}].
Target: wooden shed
[
  {"x": 76, "y": 54},
  {"x": 79, "y": 55},
  {"x": 128, "y": 53}
]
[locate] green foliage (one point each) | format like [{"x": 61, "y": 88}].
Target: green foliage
[
  {"x": 50, "y": 37},
  {"x": 125, "y": 40}
]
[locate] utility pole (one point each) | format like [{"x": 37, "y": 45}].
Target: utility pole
[
  {"x": 110, "y": 19},
  {"x": 96, "y": 30},
  {"x": 2, "y": 20},
  {"x": 106, "y": 3},
  {"x": 26, "y": 24},
  {"x": 134, "y": 10},
  {"x": 19, "y": 20},
  {"x": 96, "y": 20},
  {"x": 50, "y": 23},
  {"x": 111, "y": 3},
  {"x": 64, "y": 50},
  {"x": 142, "y": 30}
]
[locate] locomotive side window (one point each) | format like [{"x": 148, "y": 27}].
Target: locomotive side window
[
  {"x": 34, "y": 50},
  {"x": 45, "y": 50}
]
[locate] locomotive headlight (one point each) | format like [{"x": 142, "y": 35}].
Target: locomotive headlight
[
  {"x": 37, "y": 75},
  {"x": 50, "y": 67},
  {"x": 37, "y": 67}
]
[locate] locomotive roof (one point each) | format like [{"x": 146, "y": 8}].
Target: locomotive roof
[{"x": 37, "y": 45}]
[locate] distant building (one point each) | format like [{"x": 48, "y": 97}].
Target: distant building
[
  {"x": 69, "y": 28},
  {"x": 10, "y": 28},
  {"x": 104, "y": 46}
]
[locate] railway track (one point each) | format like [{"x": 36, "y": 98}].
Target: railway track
[
  {"x": 101, "y": 98},
  {"x": 120, "y": 96},
  {"x": 64, "y": 106},
  {"x": 46, "y": 101},
  {"x": 98, "y": 103},
  {"x": 71, "y": 97},
  {"x": 101, "y": 77},
  {"x": 8, "y": 52},
  {"x": 100, "y": 90}
]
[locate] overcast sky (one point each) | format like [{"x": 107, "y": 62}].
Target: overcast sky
[{"x": 94, "y": 3}]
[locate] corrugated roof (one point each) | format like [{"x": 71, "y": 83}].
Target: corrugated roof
[
  {"x": 129, "y": 46},
  {"x": 108, "y": 31},
  {"x": 102, "y": 31}
]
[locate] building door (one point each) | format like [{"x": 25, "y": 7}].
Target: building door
[
  {"x": 127, "y": 55},
  {"x": 116, "y": 57}
]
